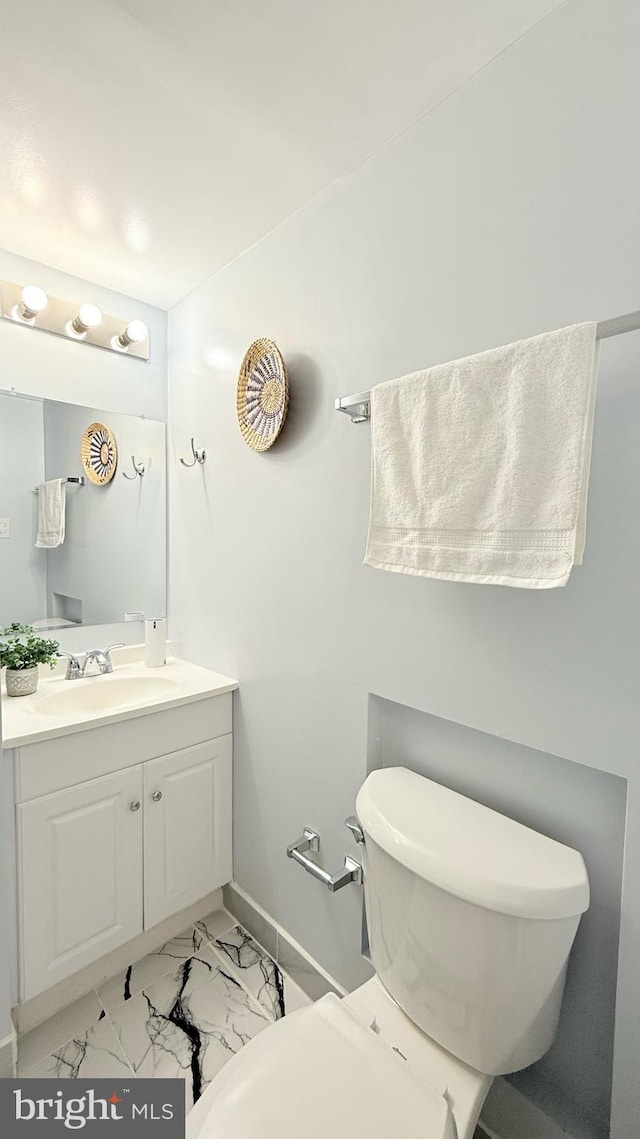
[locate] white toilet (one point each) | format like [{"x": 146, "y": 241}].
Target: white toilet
[{"x": 471, "y": 919}]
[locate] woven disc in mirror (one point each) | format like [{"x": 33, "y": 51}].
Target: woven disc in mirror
[
  {"x": 99, "y": 453},
  {"x": 263, "y": 394}
]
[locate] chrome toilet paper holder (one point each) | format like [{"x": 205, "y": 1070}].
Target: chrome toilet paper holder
[{"x": 310, "y": 841}]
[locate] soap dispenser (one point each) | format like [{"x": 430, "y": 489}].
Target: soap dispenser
[{"x": 155, "y": 642}]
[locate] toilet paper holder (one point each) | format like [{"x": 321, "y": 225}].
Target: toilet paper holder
[{"x": 310, "y": 841}]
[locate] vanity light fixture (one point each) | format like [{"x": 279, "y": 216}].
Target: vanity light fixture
[
  {"x": 86, "y": 323},
  {"x": 135, "y": 332},
  {"x": 89, "y": 316},
  {"x": 34, "y": 299}
]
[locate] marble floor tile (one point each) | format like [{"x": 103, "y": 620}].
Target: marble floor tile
[
  {"x": 189, "y": 1023},
  {"x": 138, "y": 976},
  {"x": 215, "y": 924},
  {"x": 92, "y": 1055},
  {"x": 58, "y": 1030},
  {"x": 259, "y": 974},
  {"x": 254, "y": 968}
]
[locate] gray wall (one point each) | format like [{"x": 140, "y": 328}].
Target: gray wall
[
  {"x": 22, "y": 567},
  {"x": 114, "y": 554},
  {"x": 510, "y": 209}
]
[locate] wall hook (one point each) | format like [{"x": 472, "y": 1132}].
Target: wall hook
[
  {"x": 199, "y": 455},
  {"x": 139, "y": 469}
]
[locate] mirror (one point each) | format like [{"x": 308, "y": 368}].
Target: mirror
[{"x": 112, "y": 560}]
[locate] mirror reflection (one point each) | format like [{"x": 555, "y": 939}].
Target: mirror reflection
[{"x": 101, "y": 554}]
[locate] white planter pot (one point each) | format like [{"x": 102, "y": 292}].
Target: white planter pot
[{"x": 22, "y": 681}]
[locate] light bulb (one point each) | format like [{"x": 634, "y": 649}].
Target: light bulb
[
  {"x": 89, "y": 316},
  {"x": 34, "y": 299},
  {"x": 135, "y": 331}
]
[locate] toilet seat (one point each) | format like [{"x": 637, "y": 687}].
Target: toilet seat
[{"x": 324, "y": 1074}]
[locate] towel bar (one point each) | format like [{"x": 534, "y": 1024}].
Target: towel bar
[
  {"x": 75, "y": 480},
  {"x": 358, "y": 406},
  {"x": 310, "y": 840}
]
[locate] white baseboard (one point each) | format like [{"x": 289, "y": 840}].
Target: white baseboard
[
  {"x": 292, "y": 957},
  {"x": 508, "y": 1114},
  {"x": 486, "y": 1131},
  {"x": 31, "y": 1013},
  {"x": 8, "y": 1057}
]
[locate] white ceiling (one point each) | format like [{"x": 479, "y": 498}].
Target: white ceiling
[{"x": 145, "y": 143}]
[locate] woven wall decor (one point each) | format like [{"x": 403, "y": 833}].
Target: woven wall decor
[
  {"x": 263, "y": 394},
  {"x": 99, "y": 453}
]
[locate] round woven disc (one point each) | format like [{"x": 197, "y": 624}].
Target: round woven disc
[
  {"x": 99, "y": 453},
  {"x": 263, "y": 394}
]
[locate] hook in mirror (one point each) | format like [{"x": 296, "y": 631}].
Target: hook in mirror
[{"x": 199, "y": 455}]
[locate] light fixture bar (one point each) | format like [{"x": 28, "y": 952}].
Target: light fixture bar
[{"x": 82, "y": 323}]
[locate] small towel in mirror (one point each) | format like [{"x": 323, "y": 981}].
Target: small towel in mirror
[{"x": 52, "y": 500}]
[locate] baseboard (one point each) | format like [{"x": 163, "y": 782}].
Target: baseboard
[
  {"x": 508, "y": 1114},
  {"x": 292, "y": 957},
  {"x": 8, "y": 1057},
  {"x": 31, "y": 1013},
  {"x": 482, "y": 1132}
]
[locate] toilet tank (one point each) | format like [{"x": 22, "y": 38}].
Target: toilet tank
[{"x": 471, "y": 918}]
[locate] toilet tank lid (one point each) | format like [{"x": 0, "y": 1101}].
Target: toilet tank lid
[{"x": 469, "y": 850}]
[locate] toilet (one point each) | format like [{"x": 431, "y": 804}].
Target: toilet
[{"x": 471, "y": 918}]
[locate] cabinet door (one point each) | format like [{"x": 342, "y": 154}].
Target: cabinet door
[
  {"x": 187, "y": 827},
  {"x": 80, "y": 875}
]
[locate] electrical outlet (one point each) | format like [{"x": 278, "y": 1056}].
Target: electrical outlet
[{"x": 5, "y": 527}]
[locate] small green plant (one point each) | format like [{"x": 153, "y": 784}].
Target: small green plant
[{"x": 22, "y": 648}]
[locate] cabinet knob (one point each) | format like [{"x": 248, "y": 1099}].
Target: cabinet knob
[
  {"x": 157, "y": 795},
  {"x": 135, "y": 805}
]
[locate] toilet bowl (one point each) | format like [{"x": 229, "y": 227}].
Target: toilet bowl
[
  {"x": 471, "y": 918},
  {"x": 339, "y": 1067}
]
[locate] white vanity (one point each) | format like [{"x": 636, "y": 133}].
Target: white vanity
[{"x": 122, "y": 786}]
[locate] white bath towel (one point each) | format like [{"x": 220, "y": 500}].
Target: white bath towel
[
  {"x": 52, "y": 500},
  {"x": 480, "y": 467}
]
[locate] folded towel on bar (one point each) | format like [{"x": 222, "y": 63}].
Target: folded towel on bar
[
  {"x": 52, "y": 498},
  {"x": 480, "y": 467}
]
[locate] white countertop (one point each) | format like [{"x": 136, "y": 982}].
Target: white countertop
[{"x": 25, "y": 721}]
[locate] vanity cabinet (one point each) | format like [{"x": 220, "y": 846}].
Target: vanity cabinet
[
  {"x": 102, "y": 860},
  {"x": 80, "y": 859},
  {"x": 187, "y": 827}
]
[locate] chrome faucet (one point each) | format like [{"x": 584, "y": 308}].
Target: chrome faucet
[
  {"x": 74, "y": 668},
  {"x": 99, "y": 657}
]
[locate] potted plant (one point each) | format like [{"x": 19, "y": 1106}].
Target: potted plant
[{"x": 22, "y": 650}]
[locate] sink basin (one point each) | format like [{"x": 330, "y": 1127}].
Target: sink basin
[{"x": 102, "y": 694}]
